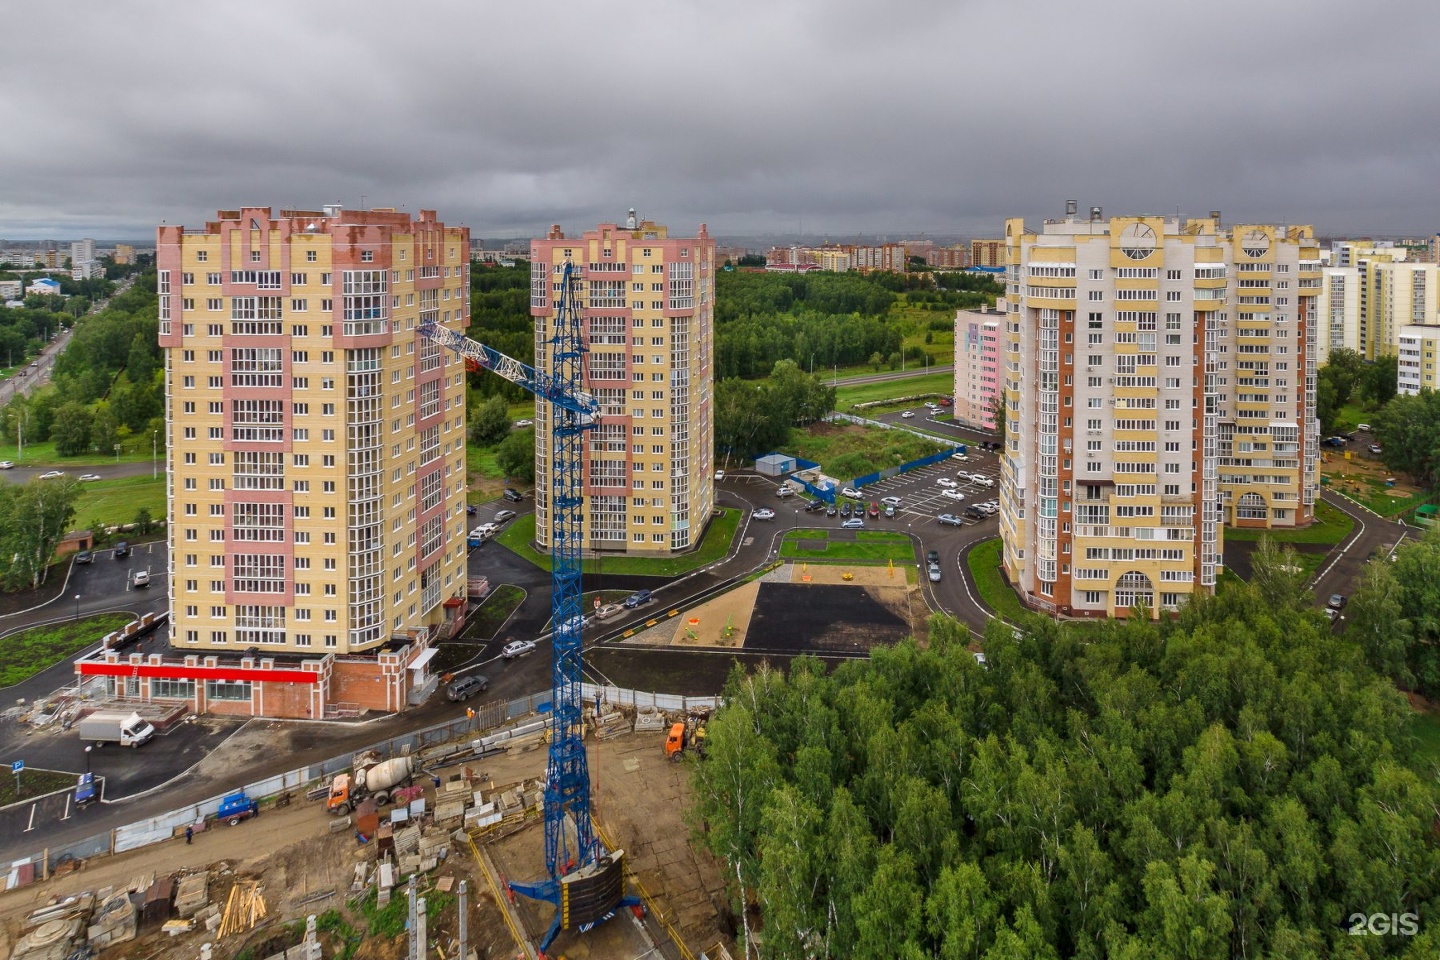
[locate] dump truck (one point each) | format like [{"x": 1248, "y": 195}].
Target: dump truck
[
  {"x": 688, "y": 734},
  {"x": 114, "y": 726},
  {"x": 371, "y": 777}
]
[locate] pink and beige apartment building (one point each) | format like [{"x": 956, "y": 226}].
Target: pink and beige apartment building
[
  {"x": 316, "y": 461},
  {"x": 648, "y": 302},
  {"x": 977, "y": 366}
]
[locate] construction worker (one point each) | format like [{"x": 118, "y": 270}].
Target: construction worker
[{"x": 189, "y": 833}]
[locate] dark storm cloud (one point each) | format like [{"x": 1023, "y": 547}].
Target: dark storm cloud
[{"x": 849, "y": 117}]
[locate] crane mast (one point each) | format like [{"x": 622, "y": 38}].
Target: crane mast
[{"x": 585, "y": 884}]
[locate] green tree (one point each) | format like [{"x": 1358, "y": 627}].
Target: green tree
[
  {"x": 144, "y": 524},
  {"x": 1408, "y": 429},
  {"x": 33, "y": 518},
  {"x": 1380, "y": 380},
  {"x": 490, "y": 422},
  {"x": 71, "y": 429},
  {"x": 877, "y": 360},
  {"x": 516, "y": 455},
  {"x": 104, "y": 432}
]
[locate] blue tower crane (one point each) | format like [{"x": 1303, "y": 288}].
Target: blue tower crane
[{"x": 585, "y": 883}]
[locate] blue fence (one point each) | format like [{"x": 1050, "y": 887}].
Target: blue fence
[{"x": 886, "y": 474}]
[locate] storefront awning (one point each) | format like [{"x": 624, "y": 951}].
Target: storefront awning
[{"x": 420, "y": 662}]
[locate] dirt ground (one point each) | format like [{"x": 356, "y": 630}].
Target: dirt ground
[
  {"x": 639, "y": 801},
  {"x": 721, "y": 622}
]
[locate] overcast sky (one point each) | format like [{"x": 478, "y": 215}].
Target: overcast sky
[{"x": 836, "y": 116}]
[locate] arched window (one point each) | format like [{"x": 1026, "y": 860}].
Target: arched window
[
  {"x": 1134, "y": 587},
  {"x": 1251, "y": 507}
]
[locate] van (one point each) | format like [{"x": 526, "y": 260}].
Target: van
[{"x": 514, "y": 496}]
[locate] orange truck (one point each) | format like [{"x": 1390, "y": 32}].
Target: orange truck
[{"x": 675, "y": 742}]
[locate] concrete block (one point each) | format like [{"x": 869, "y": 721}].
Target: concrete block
[
  {"x": 212, "y": 922},
  {"x": 339, "y": 824}
]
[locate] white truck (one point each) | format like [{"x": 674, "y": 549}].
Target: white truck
[
  {"x": 115, "y": 726},
  {"x": 372, "y": 776}
]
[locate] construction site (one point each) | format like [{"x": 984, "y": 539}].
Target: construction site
[{"x": 334, "y": 872}]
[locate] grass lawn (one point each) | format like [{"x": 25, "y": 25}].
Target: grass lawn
[
  {"x": 135, "y": 450},
  {"x": 848, "y": 450},
  {"x": 519, "y": 534},
  {"x": 920, "y": 385},
  {"x": 869, "y": 546},
  {"x": 1425, "y": 727},
  {"x": 487, "y": 480},
  {"x": 492, "y": 614},
  {"x": 24, "y": 654},
  {"x": 1378, "y": 497},
  {"x": 984, "y": 563},
  {"x": 1330, "y": 527},
  {"x": 33, "y": 783},
  {"x": 117, "y": 501}
]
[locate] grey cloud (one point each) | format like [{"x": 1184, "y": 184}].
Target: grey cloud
[{"x": 752, "y": 116}]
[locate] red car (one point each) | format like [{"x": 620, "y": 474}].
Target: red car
[
  {"x": 946, "y": 402},
  {"x": 874, "y": 509}
]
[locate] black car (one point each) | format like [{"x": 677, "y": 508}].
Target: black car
[
  {"x": 831, "y": 510},
  {"x": 122, "y": 550},
  {"x": 814, "y": 505},
  {"x": 514, "y": 496},
  {"x": 976, "y": 511},
  {"x": 1336, "y": 601},
  {"x": 84, "y": 556},
  {"x": 933, "y": 556},
  {"x": 467, "y": 687},
  {"x": 845, "y": 510}
]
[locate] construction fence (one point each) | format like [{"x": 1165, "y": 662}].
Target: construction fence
[{"x": 437, "y": 741}]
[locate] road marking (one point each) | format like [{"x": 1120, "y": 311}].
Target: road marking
[{"x": 32, "y": 818}]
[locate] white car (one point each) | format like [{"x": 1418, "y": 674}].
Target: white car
[
  {"x": 719, "y": 475},
  {"x": 981, "y": 481},
  {"x": 963, "y": 458},
  {"x": 952, "y": 494},
  {"x": 980, "y": 659},
  {"x": 890, "y": 501},
  {"x": 52, "y": 475},
  {"x": 932, "y": 404},
  {"x": 764, "y": 513},
  {"x": 89, "y": 477},
  {"x": 908, "y": 414},
  {"x": 946, "y": 482},
  {"x": 7, "y": 464},
  {"x": 854, "y": 523},
  {"x": 964, "y": 475},
  {"x": 524, "y": 423},
  {"x": 141, "y": 579},
  {"x": 517, "y": 648},
  {"x": 850, "y": 492}
]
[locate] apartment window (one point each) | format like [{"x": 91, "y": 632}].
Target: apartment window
[{"x": 309, "y": 256}]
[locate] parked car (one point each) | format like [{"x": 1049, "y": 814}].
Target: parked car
[
  {"x": 932, "y": 556},
  {"x": 950, "y": 520},
  {"x": 850, "y": 492},
  {"x": 84, "y": 556},
  {"x": 963, "y": 475},
  {"x": 784, "y": 491},
  {"x": 89, "y": 477},
  {"x": 606, "y": 611},
  {"x": 1336, "y": 601},
  {"x": 503, "y": 515},
  {"x": 976, "y": 511},
  {"x": 946, "y": 402},
  {"x": 854, "y": 523},
  {"x": 141, "y": 579},
  {"x": 7, "y": 464},
  {"x": 891, "y": 501},
  {"x": 517, "y": 648},
  {"x": 980, "y": 659},
  {"x": 945, "y": 482},
  {"x": 963, "y": 458},
  {"x": 1376, "y": 449},
  {"x": 981, "y": 481},
  {"x": 932, "y": 404},
  {"x": 466, "y": 687},
  {"x": 1335, "y": 441},
  {"x": 889, "y": 511},
  {"x": 814, "y": 505},
  {"x": 908, "y": 414},
  {"x": 514, "y": 496},
  {"x": 934, "y": 573},
  {"x": 524, "y": 423},
  {"x": 122, "y": 550},
  {"x": 53, "y": 474},
  {"x": 845, "y": 510},
  {"x": 1331, "y": 614},
  {"x": 637, "y": 598},
  {"x": 764, "y": 513},
  {"x": 1363, "y": 427},
  {"x": 874, "y": 510},
  {"x": 831, "y": 510},
  {"x": 719, "y": 475},
  {"x": 952, "y": 494}
]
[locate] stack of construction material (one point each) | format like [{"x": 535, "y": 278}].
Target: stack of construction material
[
  {"x": 116, "y": 921},
  {"x": 244, "y": 908},
  {"x": 648, "y": 718},
  {"x": 611, "y": 724},
  {"x": 54, "y": 932},
  {"x": 193, "y": 894}
]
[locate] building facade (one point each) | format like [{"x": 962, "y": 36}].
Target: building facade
[
  {"x": 1338, "y": 311},
  {"x": 315, "y": 455},
  {"x": 977, "y": 366},
  {"x": 1419, "y": 345},
  {"x": 987, "y": 253},
  {"x": 1158, "y": 382},
  {"x": 648, "y": 301}
]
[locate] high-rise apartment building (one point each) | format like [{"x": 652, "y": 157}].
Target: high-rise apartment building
[
  {"x": 1338, "y": 311},
  {"x": 1158, "y": 382},
  {"x": 1394, "y": 294},
  {"x": 316, "y": 443},
  {"x": 82, "y": 251},
  {"x": 977, "y": 365},
  {"x": 1419, "y": 348},
  {"x": 648, "y": 305}
]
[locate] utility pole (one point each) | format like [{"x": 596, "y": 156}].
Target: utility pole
[
  {"x": 410, "y": 917},
  {"x": 464, "y": 925},
  {"x": 154, "y": 463}
]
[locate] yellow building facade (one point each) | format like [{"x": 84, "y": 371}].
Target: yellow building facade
[
  {"x": 1158, "y": 382},
  {"x": 315, "y": 442},
  {"x": 648, "y": 301}
]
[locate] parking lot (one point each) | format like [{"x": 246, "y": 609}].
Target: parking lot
[{"x": 922, "y": 496}]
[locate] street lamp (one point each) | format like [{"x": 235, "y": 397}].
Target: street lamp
[
  {"x": 87, "y": 759},
  {"x": 77, "y": 606},
  {"x": 154, "y": 463},
  {"x": 117, "y": 453}
]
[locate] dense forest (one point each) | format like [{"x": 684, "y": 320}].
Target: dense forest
[
  {"x": 500, "y": 318},
  {"x": 1236, "y": 782}
]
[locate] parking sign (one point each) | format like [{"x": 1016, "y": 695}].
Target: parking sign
[{"x": 16, "y": 766}]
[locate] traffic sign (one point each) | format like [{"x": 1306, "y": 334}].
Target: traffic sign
[{"x": 16, "y": 766}]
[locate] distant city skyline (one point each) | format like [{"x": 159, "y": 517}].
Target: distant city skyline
[{"x": 759, "y": 118}]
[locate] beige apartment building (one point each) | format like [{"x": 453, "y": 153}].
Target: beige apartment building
[
  {"x": 1158, "y": 379},
  {"x": 315, "y": 453},
  {"x": 648, "y": 301}
]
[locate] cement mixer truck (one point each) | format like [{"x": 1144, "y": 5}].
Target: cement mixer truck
[{"x": 371, "y": 777}]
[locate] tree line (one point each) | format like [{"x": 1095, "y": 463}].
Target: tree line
[{"x": 1236, "y": 782}]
